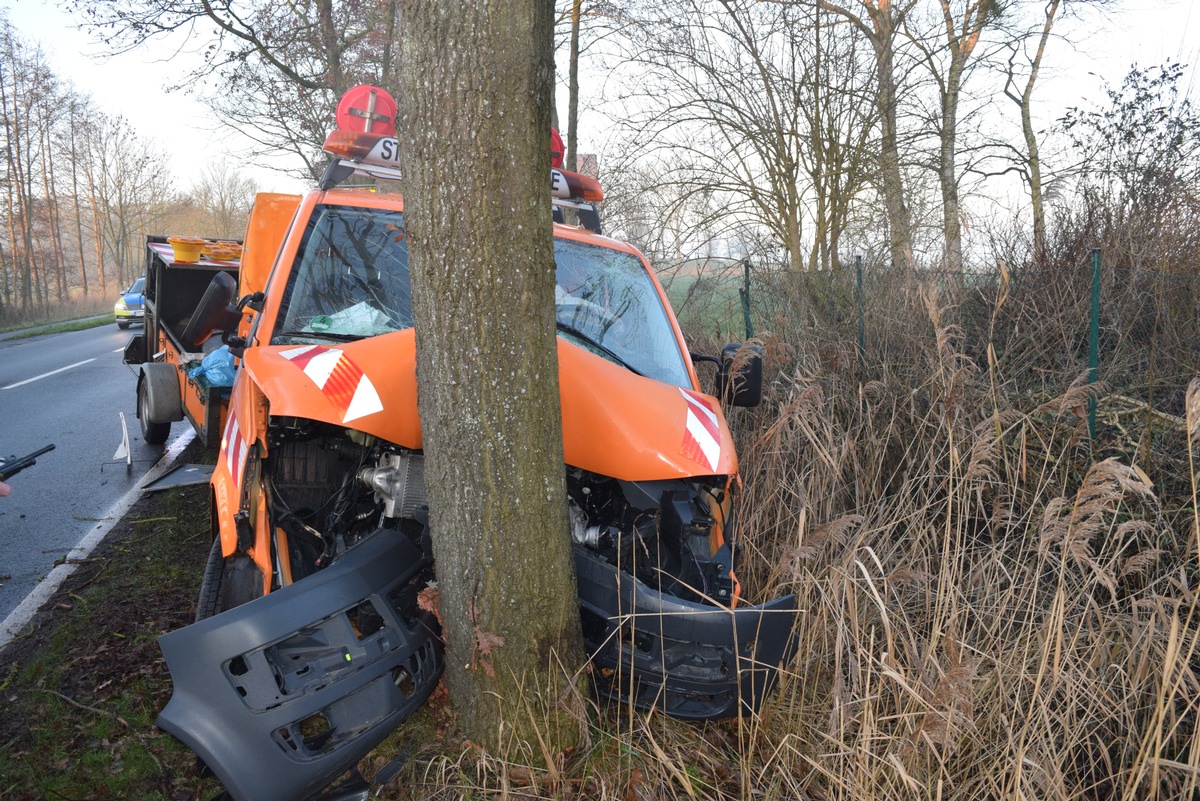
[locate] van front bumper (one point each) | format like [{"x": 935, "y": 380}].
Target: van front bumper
[
  {"x": 283, "y": 694},
  {"x": 687, "y": 659}
]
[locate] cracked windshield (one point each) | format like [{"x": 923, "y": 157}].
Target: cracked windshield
[{"x": 353, "y": 282}]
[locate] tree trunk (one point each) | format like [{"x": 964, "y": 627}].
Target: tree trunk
[
  {"x": 75, "y": 203},
  {"x": 573, "y": 89},
  {"x": 948, "y": 171},
  {"x": 97, "y": 232},
  {"x": 879, "y": 25},
  {"x": 477, "y": 82},
  {"x": 1025, "y": 101},
  {"x": 53, "y": 220},
  {"x": 960, "y": 43},
  {"x": 899, "y": 225}
]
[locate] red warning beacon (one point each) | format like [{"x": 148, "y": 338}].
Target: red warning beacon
[{"x": 367, "y": 109}]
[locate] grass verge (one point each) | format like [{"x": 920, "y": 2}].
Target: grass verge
[
  {"x": 82, "y": 687},
  {"x": 62, "y": 328}
]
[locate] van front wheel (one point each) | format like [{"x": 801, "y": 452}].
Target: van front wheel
[{"x": 227, "y": 583}]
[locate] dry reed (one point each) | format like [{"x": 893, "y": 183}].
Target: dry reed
[{"x": 993, "y": 606}]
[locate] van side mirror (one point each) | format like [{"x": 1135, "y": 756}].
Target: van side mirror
[{"x": 739, "y": 376}]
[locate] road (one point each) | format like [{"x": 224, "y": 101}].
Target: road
[{"x": 65, "y": 389}]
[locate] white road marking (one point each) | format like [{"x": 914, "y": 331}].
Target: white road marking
[
  {"x": 18, "y": 619},
  {"x": 118, "y": 350},
  {"x": 46, "y": 375}
]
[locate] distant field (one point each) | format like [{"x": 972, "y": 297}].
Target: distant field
[{"x": 705, "y": 297}]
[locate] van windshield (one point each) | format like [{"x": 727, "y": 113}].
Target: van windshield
[
  {"x": 351, "y": 281},
  {"x": 351, "y": 277},
  {"x": 606, "y": 302}
]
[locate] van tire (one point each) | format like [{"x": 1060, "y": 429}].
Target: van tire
[
  {"x": 208, "y": 604},
  {"x": 227, "y": 583}
]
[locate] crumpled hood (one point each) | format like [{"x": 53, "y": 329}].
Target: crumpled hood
[{"x": 615, "y": 423}]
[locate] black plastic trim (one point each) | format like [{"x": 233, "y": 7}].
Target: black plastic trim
[{"x": 690, "y": 660}]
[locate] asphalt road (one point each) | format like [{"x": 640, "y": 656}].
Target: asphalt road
[{"x": 65, "y": 389}]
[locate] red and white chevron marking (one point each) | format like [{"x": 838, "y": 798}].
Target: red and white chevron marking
[
  {"x": 235, "y": 450},
  {"x": 702, "y": 432},
  {"x": 340, "y": 380}
]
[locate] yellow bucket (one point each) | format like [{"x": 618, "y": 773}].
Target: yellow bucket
[{"x": 186, "y": 248}]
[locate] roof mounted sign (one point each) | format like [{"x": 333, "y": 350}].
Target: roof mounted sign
[
  {"x": 365, "y": 143},
  {"x": 367, "y": 109}
]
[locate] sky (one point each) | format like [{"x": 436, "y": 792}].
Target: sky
[{"x": 134, "y": 85}]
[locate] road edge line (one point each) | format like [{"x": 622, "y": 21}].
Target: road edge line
[{"x": 23, "y": 613}]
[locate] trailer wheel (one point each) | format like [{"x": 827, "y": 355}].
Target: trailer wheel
[
  {"x": 227, "y": 583},
  {"x": 153, "y": 433},
  {"x": 159, "y": 403}
]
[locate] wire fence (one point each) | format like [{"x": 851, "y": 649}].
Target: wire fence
[{"x": 1039, "y": 330}]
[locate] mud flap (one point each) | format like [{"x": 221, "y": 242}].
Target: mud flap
[
  {"x": 689, "y": 660},
  {"x": 135, "y": 350},
  {"x": 285, "y": 693}
]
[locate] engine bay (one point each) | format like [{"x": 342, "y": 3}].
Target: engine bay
[{"x": 330, "y": 486}]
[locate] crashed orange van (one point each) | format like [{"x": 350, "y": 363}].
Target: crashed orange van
[{"x": 309, "y": 646}]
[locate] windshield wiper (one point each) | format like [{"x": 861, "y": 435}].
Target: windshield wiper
[
  {"x": 329, "y": 335},
  {"x": 601, "y": 349}
]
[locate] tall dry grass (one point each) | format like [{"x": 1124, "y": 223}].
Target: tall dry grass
[
  {"x": 994, "y": 607},
  {"x": 74, "y": 307}
]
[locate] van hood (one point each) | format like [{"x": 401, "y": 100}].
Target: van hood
[{"x": 615, "y": 422}]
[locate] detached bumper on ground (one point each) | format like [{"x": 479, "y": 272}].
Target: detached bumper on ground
[
  {"x": 281, "y": 695},
  {"x": 689, "y": 660}
]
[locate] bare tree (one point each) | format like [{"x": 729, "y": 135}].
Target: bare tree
[
  {"x": 77, "y": 112},
  {"x": 225, "y": 197},
  {"x": 723, "y": 88},
  {"x": 1027, "y": 45},
  {"x": 962, "y": 24},
  {"x": 586, "y": 23},
  {"x": 880, "y": 22},
  {"x": 130, "y": 187},
  {"x": 477, "y": 81},
  {"x": 842, "y": 119},
  {"x": 272, "y": 71},
  {"x": 20, "y": 73}
]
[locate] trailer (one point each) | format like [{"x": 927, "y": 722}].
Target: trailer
[{"x": 172, "y": 343}]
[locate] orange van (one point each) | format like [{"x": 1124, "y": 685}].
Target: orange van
[{"x": 309, "y": 646}]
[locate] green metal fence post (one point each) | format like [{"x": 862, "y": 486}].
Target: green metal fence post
[
  {"x": 744, "y": 292},
  {"x": 1094, "y": 342},
  {"x": 858, "y": 297}
]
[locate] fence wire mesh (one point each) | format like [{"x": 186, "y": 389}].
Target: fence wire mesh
[{"x": 1035, "y": 322}]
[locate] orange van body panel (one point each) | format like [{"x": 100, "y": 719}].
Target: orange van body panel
[
  {"x": 645, "y": 441},
  {"x": 245, "y": 428},
  {"x": 388, "y": 361},
  {"x": 602, "y": 431},
  {"x": 671, "y": 432},
  {"x": 265, "y": 230}
]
